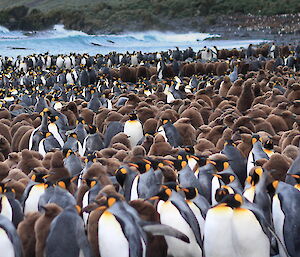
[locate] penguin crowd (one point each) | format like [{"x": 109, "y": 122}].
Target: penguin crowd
[{"x": 177, "y": 153}]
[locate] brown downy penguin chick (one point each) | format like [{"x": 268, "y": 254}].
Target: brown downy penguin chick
[
  {"x": 203, "y": 144},
  {"x": 194, "y": 115},
  {"x": 4, "y": 170},
  {"x": 87, "y": 115},
  {"x": 111, "y": 165},
  {"x": 263, "y": 125},
  {"x": 186, "y": 131},
  {"x": 256, "y": 113},
  {"x": 121, "y": 155},
  {"x": 289, "y": 118},
  {"x": 236, "y": 88},
  {"x": 47, "y": 160},
  {"x": 291, "y": 151},
  {"x": 42, "y": 227},
  {"x": 278, "y": 165},
  {"x": 26, "y": 233},
  {"x": 73, "y": 107},
  {"x": 277, "y": 123},
  {"x": 5, "y": 114},
  {"x": 215, "y": 134},
  {"x": 12, "y": 160},
  {"x": 24, "y": 142},
  {"x": 203, "y": 131},
  {"x": 18, "y": 125},
  {"x": 18, "y": 136},
  {"x": 246, "y": 145},
  {"x": 160, "y": 147},
  {"x": 295, "y": 107},
  {"x": 18, "y": 186},
  {"x": 157, "y": 244},
  {"x": 28, "y": 162},
  {"x": 57, "y": 169},
  {"x": 145, "y": 113},
  {"x": 121, "y": 138},
  {"x": 147, "y": 143},
  {"x": 100, "y": 118},
  {"x": 5, "y": 148},
  {"x": 227, "y": 134},
  {"x": 244, "y": 121},
  {"x": 21, "y": 117},
  {"x": 5, "y": 131},
  {"x": 136, "y": 154},
  {"x": 107, "y": 152},
  {"x": 150, "y": 126},
  {"x": 119, "y": 146},
  {"x": 246, "y": 98},
  {"x": 225, "y": 86}
]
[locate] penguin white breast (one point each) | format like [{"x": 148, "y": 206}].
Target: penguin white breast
[
  {"x": 250, "y": 162},
  {"x": 112, "y": 241},
  {"x": 249, "y": 238},
  {"x": 170, "y": 215},
  {"x": 85, "y": 202},
  {"x": 215, "y": 184},
  {"x": 198, "y": 216},
  {"x": 218, "y": 232},
  {"x": 249, "y": 194},
  {"x": 162, "y": 132},
  {"x": 54, "y": 130},
  {"x": 278, "y": 218},
  {"x": 6, "y": 208},
  {"x": 6, "y": 245},
  {"x": 134, "y": 189},
  {"x": 42, "y": 147},
  {"x": 133, "y": 129},
  {"x": 32, "y": 201}
]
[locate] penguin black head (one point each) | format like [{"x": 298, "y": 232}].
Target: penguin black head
[
  {"x": 53, "y": 118},
  {"x": 66, "y": 182},
  {"x": 190, "y": 192},
  {"x": 233, "y": 200},
  {"x": 90, "y": 182},
  {"x": 221, "y": 193},
  {"x": 255, "y": 138},
  {"x": 229, "y": 142},
  {"x": 91, "y": 157},
  {"x": 227, "y": 178},
  {"x": 74, "y": 135},
  {"x": 38, "y": 177},
  {"x": 253, "y": 178},
  {"x": 67, "y": 152},
  {"x": 92, "y": 129},
  {"x": 171, "y": 185},
  {"x": 165, "y": 121},
  {"x": 296, "y": 176},
  {"x": 132, "y": 116},
  {"x": 143, "y": 165},
  {"x": 121, "y": 175},
  {"x": 177, "y": 164},
  {"x": 2, "y": 188},
  {"x": 162, "y": 195},
  {"x": 269, "y": 145},
  {"x": 220, "y": 165}
]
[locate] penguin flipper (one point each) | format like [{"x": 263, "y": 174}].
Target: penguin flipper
[{"x": 165, "y": 230}]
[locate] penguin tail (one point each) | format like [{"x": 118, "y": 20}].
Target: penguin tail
[{"x": 164, "y": 230}]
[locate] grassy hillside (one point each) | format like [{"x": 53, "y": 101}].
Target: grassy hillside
[{"x": 117, "y": 15}]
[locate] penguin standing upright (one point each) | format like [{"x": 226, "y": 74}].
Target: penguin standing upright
[
  {"x": 93, "y": 141},
  {"x": 176, "y": 213},
  {"x": 170, "y": 132},
  {"x": 256, "y": 153},
  {"x": 69, "y": 226},
  {"x": 285, "y": 209},
  {"x": 133, "y": 129},
  {"x": 10, "y": 241}
]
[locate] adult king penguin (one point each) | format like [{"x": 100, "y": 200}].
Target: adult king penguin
[{"x": 133, "y": 129}]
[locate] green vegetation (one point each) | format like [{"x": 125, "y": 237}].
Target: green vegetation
[{"x": 117, "y": 15}]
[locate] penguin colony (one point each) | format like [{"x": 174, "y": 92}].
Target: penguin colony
[{"x": 174, "y": 153}]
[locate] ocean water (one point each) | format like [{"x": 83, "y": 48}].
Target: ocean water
[{"x": 61, "y": 41}]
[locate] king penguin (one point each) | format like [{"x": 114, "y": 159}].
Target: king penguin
[
  {"x": 175, "y": 212},
  {"x": 68, "y": 226},
  {"x": 10, "y": 242},
  {"x": 285, "y": 210},
  {"x": 133, "y": 129}
]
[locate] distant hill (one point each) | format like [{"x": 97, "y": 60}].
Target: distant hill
[{"x": 118, "y": 15}]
